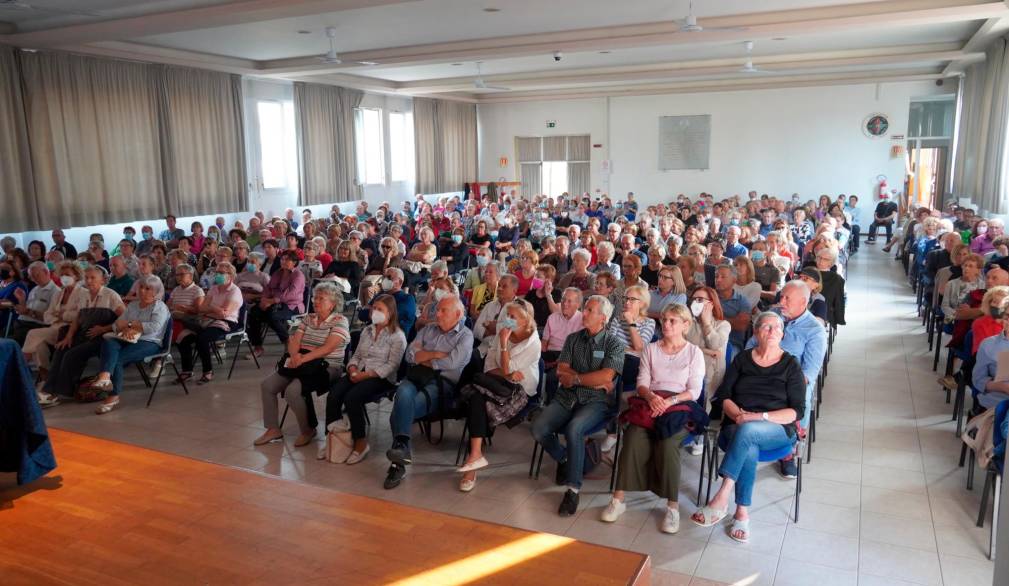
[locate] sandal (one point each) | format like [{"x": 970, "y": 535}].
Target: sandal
[
  {"x": 183, "y": 377},
  {"x": 708, "y": 516},
  {"x": 106, "y": 407},
  {"x": 102, "y": 385},
  {"x": 206, "y": 378},
  {"x": 741, "y": 526}
]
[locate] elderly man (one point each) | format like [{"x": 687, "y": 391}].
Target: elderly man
[
  {"x": 806, "y": 339},
  {"x": 61, "y": 245},
  {"x": 443, "y": 347},
  {"x": 884, "y": 216},
  {"x": 735, "y": 307},
  {"x": 282, "y": 299},
  {"x": 31, "y": 308},
  {"x": 588, "y": 363},
  {"x": 120, "y": 279},
  {"x": 732, "y": 246}
]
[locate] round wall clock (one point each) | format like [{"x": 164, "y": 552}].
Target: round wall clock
[{"x": 876, "y": 125}]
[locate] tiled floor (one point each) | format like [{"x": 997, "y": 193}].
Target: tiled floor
[{"x": 884, "y": 501}]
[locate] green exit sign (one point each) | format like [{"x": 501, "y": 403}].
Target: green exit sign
[{"x": 551, "y": 123}]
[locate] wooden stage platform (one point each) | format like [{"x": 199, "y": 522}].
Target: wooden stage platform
[{"x": 112, "y": 513}]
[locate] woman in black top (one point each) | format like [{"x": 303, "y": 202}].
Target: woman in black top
[
  {"x": 762, "y": 395},
  {"x": 344, "y": 267}
]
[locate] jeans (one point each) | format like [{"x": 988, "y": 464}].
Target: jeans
[
  {"x": 203, "y": 339},
  {"x": 856, "y": 231},
  {"x": 276, "y": 318},
  {"x": 745, "y": 444},
  {"x": 410, "y": 404},
  {"x": 574, "y": 424},
  {"x": 875, "y": 226},
  {"x": 354, "y": 396},
  {"x": 116, "y": 354}
]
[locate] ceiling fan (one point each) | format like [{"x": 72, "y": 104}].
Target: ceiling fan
[
  {"x": 331, "y": 57},
  {"x": 480, "y": 84},
  {"x": 22, "y": 5},
  {"x": 689, "y": 23}
]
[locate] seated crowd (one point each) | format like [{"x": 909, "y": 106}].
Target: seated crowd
[{"x": 580, "y": 314}]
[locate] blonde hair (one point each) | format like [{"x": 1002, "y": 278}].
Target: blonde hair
[
  {"x": 989, "y": 298},
  {"x": 679, "y": 287},
  {"x": 646, "y": 297},
  {"x": 677, "y": 310},
  {"x": 525, "y": 308}
]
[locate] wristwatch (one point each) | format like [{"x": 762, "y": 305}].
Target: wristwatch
[{"x": 764, "y": 416}]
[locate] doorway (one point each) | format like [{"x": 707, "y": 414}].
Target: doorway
[{"x": 927, "y": 167}]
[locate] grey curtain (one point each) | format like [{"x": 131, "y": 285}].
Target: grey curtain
[
  {"x": 17, "y": 187},
  {"x": 95, "y": 142},
  {"x": 324, "y": 117},
  {"x": 529, "y": 149},
  {"x": 579, "y": 148},
  {"x": 531, "y": 176},
  {"x": 445, "y": 135},
  {"x": 982, "y": 156},
  {"x": 202, "y": 141},
  {"x": 579, "y": 178},
  {"x": 555, "y": 148}
]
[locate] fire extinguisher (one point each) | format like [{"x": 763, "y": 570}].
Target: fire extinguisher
[{"x": 881, "y": 192}]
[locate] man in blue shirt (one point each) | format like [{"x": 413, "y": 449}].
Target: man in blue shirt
[
  {"x": 806, "y": 339},
  {"x": 732, "y": 246},
  {"x": 735, "y": 307},
  {"x": 852, "y": 209}
]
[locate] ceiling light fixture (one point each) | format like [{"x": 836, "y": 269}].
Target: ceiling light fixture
[
  {"x": 605, "y": 52},
  {"x": 304, "y": 32},
  {"x": 491, "y": 9}
]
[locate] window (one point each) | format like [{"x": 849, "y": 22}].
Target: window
[
  {"x": 370, "y": 154},
  {"x": 277, "y": 150},
  {"x": 401, "y": 146},
  {"x": 555, "y": 178}
]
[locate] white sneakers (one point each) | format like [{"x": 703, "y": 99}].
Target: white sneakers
[
  {"x": 696, "y": 447},
  {"x": 608, "y": 443},
  {"x": 613, "y": 511},
  {"x": 671, "y": 523}
]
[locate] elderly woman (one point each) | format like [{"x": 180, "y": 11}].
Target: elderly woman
[
  {"x": 988, "y": 325},
  {"x": 61, "y": 312},
  {"x": 604, "y": 259},
  {"x": 94, "y": 308},
  {"x": 512, "y": 363},
  {"x": 955, "y": 294},
  {"x": 605, "y": 284},
  {"x": 526, "y": 272},
  {"x": 184, "y": 300},
  {"x": 252, "y": 280},
  {"x": 762, "y": 396},
  {"x": 11, "y": 284},
  {"x": 143, "y": 322},
  {"x": 437, "y": 290},
  {"x": 672, "y": 372},
  {"x": 388, "y": 256},
  {"x": 344, "y": 266},
  {"x": 371, "y": 373},
  {"x": 215, "y": 314},
  {"x": 418, "y": 260},
  {"x": 486, "y": 291},
  {"x": 671, "y": 289},
  {"x": 545, "y": 299},
  {"x": 315, "y": 351},
  {"x": 656, "y": 260},
  {"x": 634, "y": 329},
  {"x": 579, "y": 276}
]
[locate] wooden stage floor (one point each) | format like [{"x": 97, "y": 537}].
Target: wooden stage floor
[{"x": 113, "y": 513}]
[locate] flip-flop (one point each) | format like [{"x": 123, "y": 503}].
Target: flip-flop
[
  {"x": 743, "y": 526},
  {"x": 711, "y": 516}
]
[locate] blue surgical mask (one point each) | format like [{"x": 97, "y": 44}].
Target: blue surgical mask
[
  {"x": 733, "y": 222},
  {"x": 219, "y": 279},
  {"x": 507, "y": 323},
  {"x": 250, "y": 267},
  {"x": 128, "y": 236},
  {"x": 148, "y": 235},
  {"x": 481, "y": 261},
  {"x": 757, "y": 255},
  {"x": 457, "y": 238},
  {"x": 493, "y": 234}
]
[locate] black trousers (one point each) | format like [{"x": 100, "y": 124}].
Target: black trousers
[
  {"x": 203, "y": 339},
  {"x": 476, "y": 416},
  {"x": 873, "y": 227},
  {"x": 275, "y": 318},
  {"x": 67, "y": 366},
  {"x": 354, "y": 397}
]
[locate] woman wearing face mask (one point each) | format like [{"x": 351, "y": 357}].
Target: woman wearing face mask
[
  {"x": 983, "y": 241},
  {"x": 61, "y": 312},
  {"x": 454, "y": 251},
  {"x": 437, "y": 291},
  {"x": 214, "y": 233},
  {"x": 710, "y": 333},
  {"x": 511, "y": 365},
  {"x": 214, "y": 316},
  {"x": 543, "y": 297},
  {"x": 146, "y": 241},
  {"x": 252, "y": 281},
  {"x": 475, "y": 276}
]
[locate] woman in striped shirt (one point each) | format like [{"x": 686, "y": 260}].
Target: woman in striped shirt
[{"x": 323, "y": 334}]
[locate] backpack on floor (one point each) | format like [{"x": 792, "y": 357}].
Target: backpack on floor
[
  {"x": 593, "y": 455},
  {"x": 85, "y": 393}
]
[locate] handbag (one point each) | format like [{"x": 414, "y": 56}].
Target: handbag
[
  {"x": 314, "y": 374},
  {"x": 420, "y": 375},
  {"x": 496, "y": 384},
  {"x": 339, "y": 445}
]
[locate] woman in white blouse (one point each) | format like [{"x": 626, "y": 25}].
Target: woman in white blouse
[{"x": 513, "y": 357}]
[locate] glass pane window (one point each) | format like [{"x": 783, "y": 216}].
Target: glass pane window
[
  {"x": 370, "y": 154},
  {"x": 401, "y": 145},
  {"x": 277, "y": 153},
  {"x": 555, "y": 178}
]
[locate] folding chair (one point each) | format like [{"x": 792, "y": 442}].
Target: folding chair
[
  {"x": 165, "y": 355},
  {"x": 240, "y": 334}
]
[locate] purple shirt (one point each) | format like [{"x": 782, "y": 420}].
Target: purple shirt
[
  {"x": 287, "y": 287},
  {"x": 982, "y": 245}
]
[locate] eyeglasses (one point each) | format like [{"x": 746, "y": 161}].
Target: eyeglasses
[
  {"x": 769, "y": 328},
  {"x": 665, "y": 276},
  {"x": 386, "y": 247},
  {"x": 629, "y": 299}
]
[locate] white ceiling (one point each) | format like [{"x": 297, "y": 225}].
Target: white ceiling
[{"x": 607, "y": 44}]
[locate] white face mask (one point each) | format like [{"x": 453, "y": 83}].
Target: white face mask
[
  {"x": 377, "y": 318},
  {"x": 387, "y": 284},
  {"x": 440, "y": 294},
  {"x": 696, "y": 308},
  {"x": 67, "y": 280}
]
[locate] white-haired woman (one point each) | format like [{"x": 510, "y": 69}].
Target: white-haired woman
[
  {"x": 144, "y": 322},
  {"x": 512, "y": 363},
  {"x": 316, "y": 352},
  {"x": 215, "y": 315},
  {"x": 604, "y": 259},
  {"x": 579, "y": 275}
]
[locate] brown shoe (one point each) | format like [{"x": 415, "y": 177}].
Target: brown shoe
[
  {"x": 271, "y": 435},
  {"x": 948, "y": 382},
  {"x": 304, "y": 439}
]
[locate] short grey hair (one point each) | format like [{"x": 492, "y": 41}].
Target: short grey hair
[
  {"x": 456, "y": 303},
  {"x": 766, "y": 315},
  {"x": 333, "y": 291},
  {"x": 154, "y": 283},
  {"x": 576, "y": 291},
  {"x": 582, "y": 253},
  {"x": 185, "y": 268},
  {"x": 439, "y": 265},
  {"x": 38, "y": 266},
  {"x": 9, "y": 241},
  {"x": 396, "y": 271},
  {"x": 510, "y": 278},
  {"x": 604, "y": 304},
  {"x": 797, "y": 284}
]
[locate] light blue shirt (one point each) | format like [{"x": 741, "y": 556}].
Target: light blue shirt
[
  {"x": 457, "y": 343},
  {"x": 732, "y": 307},
  {"x": 153, "y": 318},
  {"x": 856, "y": 214},
  {"x": 659, "y": 301},
  {"x": 985, "y": 367}
]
